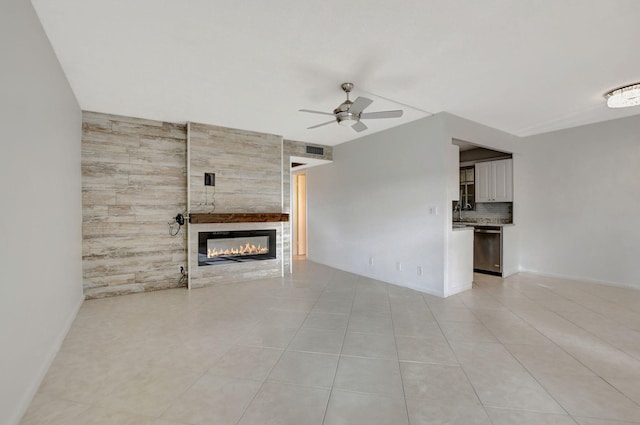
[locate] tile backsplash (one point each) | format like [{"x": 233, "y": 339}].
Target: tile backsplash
[{"x": 494, "y": 212}]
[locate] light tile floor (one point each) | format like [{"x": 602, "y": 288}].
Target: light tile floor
[{"x": 327, "y": 347}]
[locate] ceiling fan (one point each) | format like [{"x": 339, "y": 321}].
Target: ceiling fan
[{"x": 350, "y": 113}]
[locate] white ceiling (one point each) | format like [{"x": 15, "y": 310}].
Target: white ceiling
[{"x": 524, "y": 67}]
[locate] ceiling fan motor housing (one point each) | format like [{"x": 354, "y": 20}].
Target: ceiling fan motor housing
[
  {"x": 343, "y": 116},
  {"x": 346, "y": 118}
]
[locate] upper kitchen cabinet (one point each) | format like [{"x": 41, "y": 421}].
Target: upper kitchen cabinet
[
  {"x": 494, "y": 181},
  {"x": 467, "y": 190}
]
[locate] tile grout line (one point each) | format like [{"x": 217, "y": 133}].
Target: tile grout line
[
  {"x": 395, "y": 341},
  {"x": 526, "y": 369},
  {"x": 458, "y": 360},
  {"x": 244, "y": 411},
  {"x": 335, "y": 375},
  {"x": 552, "y": 342},
  {"x": 282, "y": 354},
  {"x": 561, "y": 347}
]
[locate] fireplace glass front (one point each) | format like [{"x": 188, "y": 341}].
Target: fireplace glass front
[{"x": 236, "y": 246}]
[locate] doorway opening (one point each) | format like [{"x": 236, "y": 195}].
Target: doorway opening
[
  {"x": 300, "y": 214},
  {"x": 299, "y": 211}
]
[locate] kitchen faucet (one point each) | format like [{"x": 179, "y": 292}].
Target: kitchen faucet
[{"x": 459, "y": 208}]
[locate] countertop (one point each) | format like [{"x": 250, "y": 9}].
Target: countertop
[
  {"x": 456, "y": 228},
  {"x": 471, "y": 225}
]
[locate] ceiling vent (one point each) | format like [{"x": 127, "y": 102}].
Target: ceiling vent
[{"x": 314, "y": 150}]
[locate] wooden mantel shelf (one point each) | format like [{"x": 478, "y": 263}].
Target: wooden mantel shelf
[{"x": 201, "y": 218}]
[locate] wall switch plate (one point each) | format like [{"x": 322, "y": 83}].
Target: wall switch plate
[
  {"x": 419, "y": 271},
  {"x": 433, "y": 210},
  {"x": 399, "y": 266},
  {"x": 209, "y": 179},
  {"x": 371, "y": 261}
]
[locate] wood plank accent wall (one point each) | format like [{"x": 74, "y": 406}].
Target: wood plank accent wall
[
  {"x": 247, "y": 165},
  {"x": 133, "y": 182}
]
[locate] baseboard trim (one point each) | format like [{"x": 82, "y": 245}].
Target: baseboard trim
[
  {"x": 419, "y": 289},
  {"x": 509, "y": 272},
  {"x": 580, "y": 279},
  {"x": 401, "y": 285},
  {"x": 28, "y": 396},
  {"x": 458, "y": 289}
]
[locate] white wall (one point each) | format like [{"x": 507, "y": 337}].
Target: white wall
[
  {"x": 579, "y": 202},
  {"x": 374, "y": 201},
  {"x": 41, "y": 203}
]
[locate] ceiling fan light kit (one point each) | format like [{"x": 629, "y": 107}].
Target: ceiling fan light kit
[
  {"x": 346, "y": 119},
  {"x": 624, "y": 97},
  {"x": 349, "y": 114}
]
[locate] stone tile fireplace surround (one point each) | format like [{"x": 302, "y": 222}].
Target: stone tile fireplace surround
[{"x": 134, "y": 179}]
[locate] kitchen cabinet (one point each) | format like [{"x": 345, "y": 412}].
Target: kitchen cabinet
[
  {"x": 466, "y": 175},
  {"x": 494, "y": 181},
  {"x": 467, "y": 191}
]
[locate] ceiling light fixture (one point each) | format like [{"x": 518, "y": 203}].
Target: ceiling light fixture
[
  {"x": 346, "y": 118},
  {"x": 624, "y": 97}
]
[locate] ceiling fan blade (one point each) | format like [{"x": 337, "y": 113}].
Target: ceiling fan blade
[
  {"x": 320, "y": 125},
  {"x": 315, "y": 112},
  {"x": 359, "y": 126},
  {"x": 359, "y": 105},
  {"x": 381, "y": 114}
]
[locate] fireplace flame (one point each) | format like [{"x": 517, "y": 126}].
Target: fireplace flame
[{"x": 247, "y": 249}]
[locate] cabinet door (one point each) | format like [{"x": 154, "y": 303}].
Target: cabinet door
[
  {"x": 502, "y": 181},
  {"x": 483, "y": 182}
]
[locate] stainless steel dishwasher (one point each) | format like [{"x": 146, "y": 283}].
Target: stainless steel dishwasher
[{"x": 487, "y": 250}]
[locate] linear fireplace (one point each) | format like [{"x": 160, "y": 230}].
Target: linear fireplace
[{"x": 225, "y": 247}]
